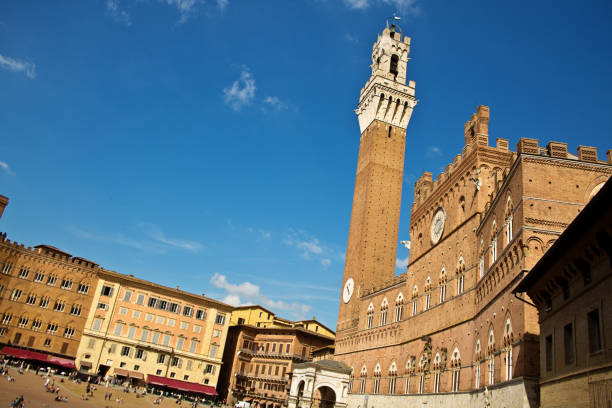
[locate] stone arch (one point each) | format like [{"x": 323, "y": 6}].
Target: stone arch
[
  {"x": 535, "y": 245},
  {"x": 364, "y": 371},
  {"x": 377, "y": 369},
  {"x": 399, "y": 299},
  {"x": 384, "y": 305},
  {"x": 509, "y": 206},
  {"x": 508, "y": 332},
  {"x": 324, "y": 397},
  {"x": 427, "y": 283},
  {"x": 415, "y": 291},
  {"x": 477, "y": 350},
  {"x": 491, "y": 339},
  {"x": 594, "y": 186},
  {"x": 393, "y": 368},
  {"x": 371, "y": 308},
  {"x": 456, "y": 357}
]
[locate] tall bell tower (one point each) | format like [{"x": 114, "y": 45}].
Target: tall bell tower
[{"x": 384, "y": 110}]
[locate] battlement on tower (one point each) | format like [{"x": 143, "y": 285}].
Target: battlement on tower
[{"x": 476, "y": 133}]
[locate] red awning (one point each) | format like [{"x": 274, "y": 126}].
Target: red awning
[
  {"x": 64, "y": 362},
  {"x": 33, "y": 355},
  {"x": 181, "y": 385}
]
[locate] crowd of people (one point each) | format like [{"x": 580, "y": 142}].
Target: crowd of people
[{"x": 113, "y": 386}]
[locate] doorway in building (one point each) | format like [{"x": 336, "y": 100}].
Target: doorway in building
[{"x": 102, "y": 370}]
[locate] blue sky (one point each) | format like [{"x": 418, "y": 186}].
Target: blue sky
[{"x": 213, "y": 145}]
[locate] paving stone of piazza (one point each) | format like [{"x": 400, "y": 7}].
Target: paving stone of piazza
[{"x": 31, "y": 386}]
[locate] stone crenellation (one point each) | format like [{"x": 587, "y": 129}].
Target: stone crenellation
[
  {"x": 476, "y": 132},
  {"x": 51, "y": 254}
]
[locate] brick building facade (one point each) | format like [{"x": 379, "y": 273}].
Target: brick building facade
[
  {"x": 571, "y": 285},
  {"x": 260, "y": 353},
  {"x": 449, "y": 325},
  {"x": 45, "y": 296}
]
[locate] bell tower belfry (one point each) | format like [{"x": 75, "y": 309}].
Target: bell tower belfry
[{"x": 384, "y": 110}]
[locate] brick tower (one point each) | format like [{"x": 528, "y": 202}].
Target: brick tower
[{"x": 384, "y": 110}]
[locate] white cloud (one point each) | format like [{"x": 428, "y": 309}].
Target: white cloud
[
  {"x": 4, "y": 166},
  {"x": 351, "y": 38},
  {"x": 401, "y": 263},
  {"x": 186, "y": 8},
  {"x": 155, "y": 240},
  {"x": 405, "y": 7},
  {"x": 156, "y": 233},
  {"x": 309, "y": 245},
  {"x": 247, "y": 293},
  {"x": 222, "y": 4},
  {"x": 119, "y": 15},
  {"x": 357, "y": 4},
  {"x": 325, "y": 262},
  {"x": 433, "y": 151},
  {"x": 275, "y": 103},
  {"x": 242, "y": 91},
  {"x": 18, "y": 66},
  {"x": 265, "y": 234}
]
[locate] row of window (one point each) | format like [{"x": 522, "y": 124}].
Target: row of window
[
  {"x": 44, "y": 302},
  {"x": 140, "y": 354},
  {"x": 156, "y": 337},
  {"x": 36, "y": 325},
  {"x": 399, "y": 308},
  {"x": 255, "y": 346},
  {"x": 493, "y": 246},
  {"x": 160, "y": 304},
  {"x": 272, "y": 369},
  {"x": 595, "y": 344},
  {"x": 39, "y": 277},
  {"x": 242, "y": 382},
  {"x": 455, "y": 373}
]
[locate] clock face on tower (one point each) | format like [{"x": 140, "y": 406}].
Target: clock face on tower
[
  {"x": 347, "y": 292},
  {"x": 437, "y": 226}
]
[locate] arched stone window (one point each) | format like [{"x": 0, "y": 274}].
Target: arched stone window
[
  {"x": 491, "y": 352},
  {"x": 427, "y": 293},
  {"x": 508, "y": 223},
  {"x": 508, "y": 349},
  {"x": 478, "y": 358},
  {"x": 442, "y": 285},
  {"x": 415, "y": 295},
  {"x": 377, "y": 372},
  {"x": 364, "y": 371},
  {"x": 456, "y": 369},
  {"x": 460, "y": 275},
  {"x": 481, "y": 264},
  {"x": 399, "y": 306},
  {"x": 436, "y": 366},
  {"x": 409, "y": 369},
  {"x": 493, "y": 245},
  {"x": 370, "y": 315},
  {"x": 383, "y": 312},
  {"x": 392, "y": 377},
  {"x": 363, "y": 374}
]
